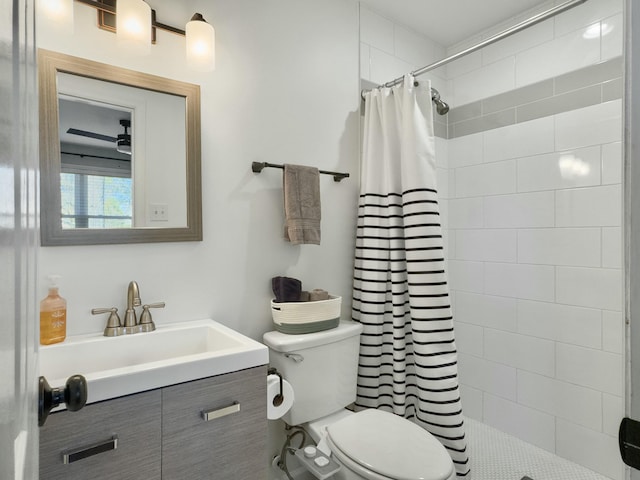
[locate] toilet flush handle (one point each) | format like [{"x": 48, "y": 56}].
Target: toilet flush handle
[{"x": 296, "y": 357}]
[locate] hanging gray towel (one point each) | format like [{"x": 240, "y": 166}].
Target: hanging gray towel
[{"x": 301, "y": 204}]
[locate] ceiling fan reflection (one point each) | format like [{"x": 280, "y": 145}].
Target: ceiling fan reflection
[{"x": 122, "y": 141}]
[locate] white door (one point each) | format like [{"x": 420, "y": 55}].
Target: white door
[
  {"x": 632, "y": 210},
  {"x": 18, "y": 242}
]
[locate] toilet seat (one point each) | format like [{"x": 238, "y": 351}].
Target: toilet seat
[{"x": 381, "y": 445}]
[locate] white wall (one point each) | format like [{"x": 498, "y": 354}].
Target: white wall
[{"x": 284, "y": 91}]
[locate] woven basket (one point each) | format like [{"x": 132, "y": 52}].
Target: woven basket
[{"x": 306, "y": 317}]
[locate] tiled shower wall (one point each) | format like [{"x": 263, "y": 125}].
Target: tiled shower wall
[
  {"x": 530, "y": 179},
  {"x": 534, "y": 228}
]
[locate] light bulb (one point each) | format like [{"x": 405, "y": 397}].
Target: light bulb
[
  {"x": 133, "y": 26},
  {"x": 200, "y": 42}
]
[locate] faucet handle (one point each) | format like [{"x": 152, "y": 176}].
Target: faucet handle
[
  {"x": 155, "y": 305},
  {"x": 114, "y": 327},
  {"x": 146, "y": 323}
]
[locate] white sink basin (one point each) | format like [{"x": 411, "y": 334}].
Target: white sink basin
[{"x": 175, "y": 353}]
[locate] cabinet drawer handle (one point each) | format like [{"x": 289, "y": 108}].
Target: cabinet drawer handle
[
  {"x": 70, "y": 456},
  {"x": 222, "y": 412}
]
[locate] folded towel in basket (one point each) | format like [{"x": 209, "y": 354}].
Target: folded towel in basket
[
  {"x": 301, "y": 187},
  {"x": 318, "y": 294},
  {"x": 286, "y": 289}
]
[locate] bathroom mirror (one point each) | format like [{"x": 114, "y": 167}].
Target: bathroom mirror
[{"x": 119, "y": 155}]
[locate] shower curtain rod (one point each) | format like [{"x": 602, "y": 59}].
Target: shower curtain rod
[{"x": 552, "y": 12}]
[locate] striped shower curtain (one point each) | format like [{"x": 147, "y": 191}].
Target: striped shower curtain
[{"x": 408, "y": 359}]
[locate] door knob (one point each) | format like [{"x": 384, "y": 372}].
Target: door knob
[{"x": 74, "y": 395}]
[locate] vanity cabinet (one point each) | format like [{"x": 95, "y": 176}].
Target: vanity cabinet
[
  {"x": 111, "y": 440},
  {"x": 209, "y": 429},
  {"x": 231, "y": 444}
]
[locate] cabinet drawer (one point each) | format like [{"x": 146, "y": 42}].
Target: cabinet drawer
[
  {"x": 111, "y": 440},
  {"x": 232, "y": 444}
]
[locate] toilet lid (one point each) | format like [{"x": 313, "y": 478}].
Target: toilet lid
[{"x": 391, "y": 446}]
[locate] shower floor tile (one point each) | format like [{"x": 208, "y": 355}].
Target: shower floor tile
[{"x": 498, "y": 456}]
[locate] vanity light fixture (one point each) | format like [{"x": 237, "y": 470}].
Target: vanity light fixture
[
  {"x": 135, "y": 24},
  {"x": 200, "y": 40}
]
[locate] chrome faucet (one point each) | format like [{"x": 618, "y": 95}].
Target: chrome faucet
[{"x": 133, "y": 300}]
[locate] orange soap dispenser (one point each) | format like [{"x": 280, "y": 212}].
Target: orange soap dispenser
[{"x": 53, "y": 315}]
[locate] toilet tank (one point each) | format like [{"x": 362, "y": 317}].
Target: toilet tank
[{"x": 321, "y": 367}]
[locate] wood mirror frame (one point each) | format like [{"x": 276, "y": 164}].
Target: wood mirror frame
[{"x": 52, "y": 233}]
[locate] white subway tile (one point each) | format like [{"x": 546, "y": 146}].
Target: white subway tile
[
  {"x": 591, "y": 12},
  {"x": 496, "y": 245},
  {"x": 612, "y": 247},
  {"x": 612, "y": 331},
  {"x": 589, "y": 207},
  {"x": 520, "y": 351},
  {"x": 613, "y": 39},
  {"x": 442, "y": 182},
  {"x": 466, "y": 276},
  {"x": 376, "y": 30},
  {"x": 487, "y": 311},
  {"x": 560, "y": 246},
  {"x": 466, "y": 150},
  {"x": 492, "y": 79},
  {"x": 452, "y": 183},
  {"x": 471, "y": 402},
  {"x": 577, "y": 404},
  {"x": 587, "y": 126},
  {"x": 590, "y": 368},
  {"x": 589, "y": 287},
  {"x": 487, "y": 376},
  {"x": 532, "y": 282},
  {"x": 561, "y": 55},
  {"x": 449, "y": 237},
  {"x": 522, "y": 16},
  {"x": 554, "y": 171},
  {"x": 385, "y": 67},
  {"x": 520, "y": 210},
  {"x": 469, "y": 338},
  {"x": 612, "y": 414},
  {"x": 528, "y": 424},
  {"x": 487, "y": 179},
  {"x": 415, "y": 48},
  {"x": 524, "y": 40},
  {"x": 466, "y": 64},
  {"x": 465, "y": 213},
  {"x": 365, "y": 70},
  {"x": 442, "y": 152},
  {"x": 443, "y": 206},
  {"x": 562, "y": 323},
  {"x": 520, "y": 140},
  {"x": 612, "y": 163},
  {"x": 594, "y": 450}
]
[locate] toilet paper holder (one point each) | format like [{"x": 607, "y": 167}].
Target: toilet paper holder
[{"x": 279, "y": 398}]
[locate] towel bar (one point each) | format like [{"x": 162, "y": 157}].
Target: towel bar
[{"x": 257, "y": 167}]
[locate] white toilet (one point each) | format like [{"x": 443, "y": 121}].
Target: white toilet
[{"x": 370, "y": 444}]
